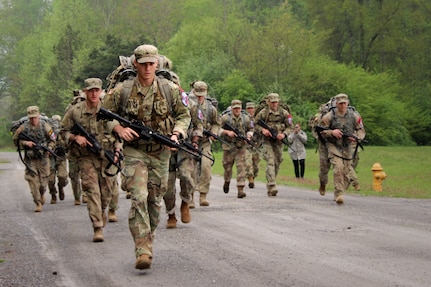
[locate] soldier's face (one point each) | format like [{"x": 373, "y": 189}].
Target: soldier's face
[
  {"x": 273, "y": 106},
  {"x": 236, "y": 111},
  {"x": 342, "y": 107},
  {"x": 34, "y": 121},
  {"x": 250, "y": 111},
  {"x": 93, "y": 95},
  {"x": 146, "y": 70}
]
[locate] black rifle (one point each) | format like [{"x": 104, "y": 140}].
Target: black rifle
[
  {"x": 97, "y": 149},
  {"x": 146, "y": 133},
  {"x": 191, "y": 147},
  {"x": 238, "y": 134},
  {"x": 38, "y": 146},
  {"x": 359, "y": 141},
  {"x": 273, "y": 132},
  {"x": 209, "y": 133}
]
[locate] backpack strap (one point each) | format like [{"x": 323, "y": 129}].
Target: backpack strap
[
  {"x": 165, "y": 89},
  {"x": 124, "y": 96}
]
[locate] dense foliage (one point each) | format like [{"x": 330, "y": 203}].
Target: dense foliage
[{"x": 306, "y": 50}]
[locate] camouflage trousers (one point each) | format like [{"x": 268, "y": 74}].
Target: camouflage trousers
[
  {"x": 252, "y": 159},
  {"x": 36, "y": 174},
  {"x": 182, "y": 166},
  {"x": 324, "y": 164},
  {"x": 145, "y": 176},
  {"x": 353, "y": 176},
  {"x": 203, "y": 177},
  {"x": 75, "y": 178},
  {"x": 97, "y": 186},
  {"x": 58, "y": 170},
  {"x": 113, "y": 204},
  {"x": 342, "y": 169},
  {"x": 231, "y": 156},
  {"x": 273, "y": 155}
]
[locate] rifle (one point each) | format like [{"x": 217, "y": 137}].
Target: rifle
[
  {"x": 359, "y": 141},
  {"x": 238, "y": 134},
  {"x": 209, "y": 133},
  {"x": 273, "y": 132},
  {"x": 97, "y": 149},
  {"x": 191, "y": 147},
  {"x": 39, "y": 146},
  {"x": 146, "y": 133}
]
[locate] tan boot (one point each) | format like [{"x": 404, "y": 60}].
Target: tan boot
[
  {"x": 241, "y": 192},
  {"x": 38, "y": 207},
  {"x": 77, "y": 202},
  {"x": 84, "y": 199},
  {"x": 172, "y": 221},
  {"x": 251, "y": 182},
  {"x": 98, "y": 234},
  {"x": 53, "y": 199},
  {"x": 185, "y": 212},
  {"x": 143, "y": 261},
  {"x": 192, "y": 203},
  {"x": 357, "y": 187},
  {"x": 322, "y": 190},
  {"x": 339, "y": 199},
  {"x": 203, "y": 200},
  {"x": 112, "y": 217}
]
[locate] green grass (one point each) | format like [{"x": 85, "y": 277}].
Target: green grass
[{"x": 408, "y": 171}]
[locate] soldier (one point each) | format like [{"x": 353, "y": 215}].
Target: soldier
[
  {"x": 74, "y": 174},
  {"x": 342, "y": 126},
  {"x": 58, "y": 164},
  {"x": 156, "y": 103},
  {"x": 36, "y": 158},
  {"x": 252, "y": 154},
  {"x": 210, "y": 120},
  {"x": 279, "y": 119},
  {"x": 95, "y": 183},
  {"x": 183, "y": 165},
  {"x": 236, "y": 150}
]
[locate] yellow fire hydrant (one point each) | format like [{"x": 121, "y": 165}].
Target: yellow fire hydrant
[{"x": 378, "y": 177}]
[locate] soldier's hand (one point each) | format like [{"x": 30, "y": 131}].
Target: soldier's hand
[
  {"x": 30, "y": 144},
  {"x": 337, "y": 133},
  {"x": 126, "y": 133}
]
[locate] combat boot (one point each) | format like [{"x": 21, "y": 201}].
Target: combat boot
[
  {"x": 226, "y": 186},
  {"x": 322, "y": 189},
  {"x": 357, "y": 187},
  {"x": 203, "y": 200},
  {"x": 185, "y": 212},
  {"x": 61, "y": 193},
  {"x": 77, "y": 202},
  {"x": 339, "y": 199},
  {"x": 241, "y": 192},
  {"x": 53, "y": 199},
  {"x": 38, "y": 207},
  {"x": 251, "y": 182},
  {"x": 128, "y": 195},
  {"x": 172, "y": 221},
  {"x": 98, "y": 234},
  {"x": 84, "y": 198},
  {"x": 143, "y": 261},
  {"x": 112, "y": 217},
  {"x": 192, "y": 203}
]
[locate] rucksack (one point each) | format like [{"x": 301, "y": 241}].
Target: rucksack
[{"x": 263, "y": 103}]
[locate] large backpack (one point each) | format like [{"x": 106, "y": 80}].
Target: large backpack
[{"x": 263, "y": 103}]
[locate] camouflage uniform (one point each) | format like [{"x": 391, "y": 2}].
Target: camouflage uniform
[
  {"x": 36, "y": 161},
  {"x": 279, "y": 120},
  {"x": 236, "y": 149},
  {"x": 252, "y": 155},
  {"x": 210, "y": 121},
  {"x": 74, "y": 174},
  {"x": 340, "y": 150},
  {"x": 145, "y": 174},
  {"x": 58, "y": 165},
  {"x": 95, "y": 183},
  {"x": 183, "y": 166}
]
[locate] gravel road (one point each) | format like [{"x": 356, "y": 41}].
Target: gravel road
[{"x": 298, "y": 238}]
